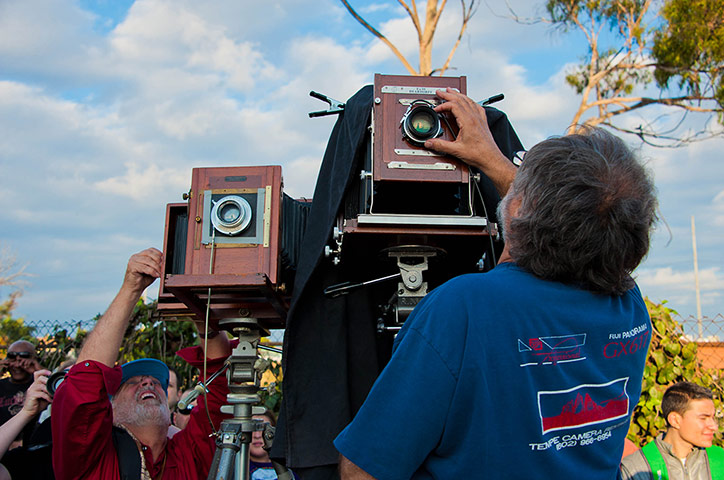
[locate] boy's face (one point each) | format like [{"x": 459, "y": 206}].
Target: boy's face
[{"x": 698, "y": 424}]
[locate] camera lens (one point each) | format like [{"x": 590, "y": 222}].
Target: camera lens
[
  {"x": 55, "y": 380},
  {"x": 230, "y": 212},
  {"x": 421, "y": 122},
  {"x": 231, "y": 215}
]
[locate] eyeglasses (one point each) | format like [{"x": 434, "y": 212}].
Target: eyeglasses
[
  {"x": 185, "y": 411},
  {"x": 14, "y": 355}
]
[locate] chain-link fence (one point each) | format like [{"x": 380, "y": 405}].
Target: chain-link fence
[
  {"x": 708, "y": 333},
  {"x": 48, "y": 328},
  {"x": 45, "y": 328}
]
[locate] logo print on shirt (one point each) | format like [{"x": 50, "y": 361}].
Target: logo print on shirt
[
  {"x": 552, "y": 350},
  {"x": 583, "y": 405}
]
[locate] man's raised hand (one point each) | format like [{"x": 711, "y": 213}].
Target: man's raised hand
[
  {"x": 143, "y": 268},
  {"x": 474, "y": 144}
]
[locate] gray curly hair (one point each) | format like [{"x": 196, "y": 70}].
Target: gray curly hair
[{"x": 586, "y": 211}]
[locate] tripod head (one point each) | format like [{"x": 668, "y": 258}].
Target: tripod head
[
  {"x": 244, "y": 371},
  {"x": 245, "y": 365}
]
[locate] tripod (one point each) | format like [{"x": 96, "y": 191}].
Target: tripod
[{"x": 231, "y": 460}]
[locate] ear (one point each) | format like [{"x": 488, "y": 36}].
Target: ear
[{"x": 674, "y": 420}]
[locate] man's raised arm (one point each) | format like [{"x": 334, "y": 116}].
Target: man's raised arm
[{"x": 105, "y": 339}]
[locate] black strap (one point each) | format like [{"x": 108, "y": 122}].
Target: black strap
[{"x": 129, "y": 458}]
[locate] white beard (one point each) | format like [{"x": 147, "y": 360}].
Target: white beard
[{"x": 132, "y": 413}]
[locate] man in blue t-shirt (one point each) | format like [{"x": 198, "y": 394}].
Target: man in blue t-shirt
[{"x": 531, "y": 370}]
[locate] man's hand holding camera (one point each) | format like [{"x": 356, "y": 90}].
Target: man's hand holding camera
[
  {"x": 36, "y": 399},
  {"x": 37, "y": 396},
  {"x": 474, "y": 144}
]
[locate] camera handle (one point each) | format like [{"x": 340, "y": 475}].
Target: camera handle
[
  {"x": 493, "y": 99},
  {"x": 412, "y": 261},
  {"x": 335, "y": 106}
]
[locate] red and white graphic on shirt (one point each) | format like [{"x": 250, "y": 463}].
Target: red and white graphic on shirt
[
  {"x": 552, "y": 349},
  {"x": 583, "y": 405}
]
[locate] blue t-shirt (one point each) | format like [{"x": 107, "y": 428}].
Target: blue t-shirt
[
  {"x": 504, "y": 375},
  {"x": 264, "y": 471}
]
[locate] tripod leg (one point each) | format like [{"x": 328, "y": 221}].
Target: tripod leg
[
  {"x": 222, "y": 468},
  {"x": 242, "y": 463}
]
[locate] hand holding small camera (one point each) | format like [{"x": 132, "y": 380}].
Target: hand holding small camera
[{"x": 37, "y": 396}]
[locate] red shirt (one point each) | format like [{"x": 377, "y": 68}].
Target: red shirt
[{"x": 82, "y": 420}]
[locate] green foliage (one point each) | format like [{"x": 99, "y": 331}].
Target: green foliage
[
  {"x": 690, "y": 46},
  {"x": 567, "y": 13},
  {"x": 13, "y": 329},
  {"x": 271, "y": 394},
  {"x": 671, "y": 359},
  {"x": 633, "y": 47}
]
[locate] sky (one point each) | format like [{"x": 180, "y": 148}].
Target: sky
[{"x": 107, "y": 105}]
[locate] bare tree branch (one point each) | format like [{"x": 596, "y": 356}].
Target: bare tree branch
[
  {"x": 413, "y": 15},
  {"x": 425, "y": 34},
  {"x": 10, "y": 274},
  {"x": 607, "y": 78},
  {"x": 377, "y": 34},
  {"x": 467, "y": 15}
]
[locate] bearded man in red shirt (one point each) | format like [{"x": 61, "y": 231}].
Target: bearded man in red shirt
[{"x": 109, "y": 422}]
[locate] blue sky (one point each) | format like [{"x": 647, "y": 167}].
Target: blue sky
[{"x": 106, "y": 105}]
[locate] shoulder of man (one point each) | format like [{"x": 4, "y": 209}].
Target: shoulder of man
[{"x": 635, "y": 467}]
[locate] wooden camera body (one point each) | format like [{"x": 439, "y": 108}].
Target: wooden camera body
[
  {"x": 411, "y": 206},
  {"x": 230, "y": 247},
  {"x": 397, "y": 156}
]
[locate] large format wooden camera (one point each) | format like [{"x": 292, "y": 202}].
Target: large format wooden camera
[
  {"x": 410, "y": 205},
  {"x": 223, "y": 247},
  {"x": 232, "y": 249}
]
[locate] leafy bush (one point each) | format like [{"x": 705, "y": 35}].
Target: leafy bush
[{"x": 671, "y": 359}]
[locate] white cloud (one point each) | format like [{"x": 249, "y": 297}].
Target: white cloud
[
  {"x": 375, "y": 7},
  {"x": 304, "y": 172},
  {"x": 140, "y": 182},
  {"x": 709, "y": 278}
]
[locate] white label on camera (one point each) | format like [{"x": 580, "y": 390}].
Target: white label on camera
[
  {"x": 422, "y": 166},
  {"x": 417, "y": 153},
  {"x": 412, "y": 90}
]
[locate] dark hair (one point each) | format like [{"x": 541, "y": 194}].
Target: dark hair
[
  {"x": 677, "y": 397},
  {"x": 179, "y": 380},
  {"x": 270, "y": 416},
  {"x": 586, "y": 211}
]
